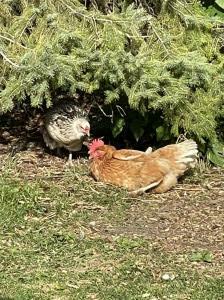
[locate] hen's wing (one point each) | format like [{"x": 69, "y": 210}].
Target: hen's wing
[
  {"x": 151, "y": 173},
  {"x": 154, "y": 181},
  {"x": 129, "y": 154}
]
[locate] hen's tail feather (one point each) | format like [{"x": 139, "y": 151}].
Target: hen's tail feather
[{"x": 187, "y": 153}]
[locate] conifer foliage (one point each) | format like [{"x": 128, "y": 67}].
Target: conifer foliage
[{"x": 144, "y": 58}]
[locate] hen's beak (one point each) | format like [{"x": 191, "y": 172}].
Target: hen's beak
[
  {"x": 87, "y": 141},
  {"x": 86, "y": 132}
]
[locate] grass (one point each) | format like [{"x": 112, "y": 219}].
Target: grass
[{"x": 64, "y": 236}]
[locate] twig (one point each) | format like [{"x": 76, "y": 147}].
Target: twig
[
  {"x": 27, "y": 23},
  {"x": 184, "y": 6},
  {"x": 9, "y": 60},
  {"x": 121, "y": 110},
  {"x": 92, "y": 17},
  {"x": 182, "y": 137},
  {"x": 103, "y": 112},
  {"x": 83, "y": 15},
  {"x": 142, "y": 200},
  {"x": 188, "y": 190},
  {"x": 95, "y": 26},
  {"x": 159, "y": 38},
  {"x": 12, "y": 41}
]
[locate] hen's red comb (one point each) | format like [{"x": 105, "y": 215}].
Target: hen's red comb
[{"x": 96, "y": 143}]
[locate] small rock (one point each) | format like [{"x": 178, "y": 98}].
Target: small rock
[
  {"x": 167, "y": 277},
  {"x": 92, "y": 224}
]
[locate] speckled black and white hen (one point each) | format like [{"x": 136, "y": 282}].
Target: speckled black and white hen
[{"x": 65, "y": 125}]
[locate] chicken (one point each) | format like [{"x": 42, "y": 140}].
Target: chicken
[
  {"x": 139, "y": 171},
  {"x": 65, "y": 125}
]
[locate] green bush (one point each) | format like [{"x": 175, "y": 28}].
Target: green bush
[{"x": 158, "y": 57}]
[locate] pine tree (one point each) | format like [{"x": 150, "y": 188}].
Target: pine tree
[{"x": 142, "y": 57}]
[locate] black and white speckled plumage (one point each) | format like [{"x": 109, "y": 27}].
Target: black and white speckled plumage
[{"x": 62, "y": 126}]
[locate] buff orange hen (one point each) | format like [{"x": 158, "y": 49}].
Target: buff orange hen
[{"x": 138, "y": 171}]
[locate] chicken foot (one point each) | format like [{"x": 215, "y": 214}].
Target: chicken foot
[{"x": 69, "y": 162}]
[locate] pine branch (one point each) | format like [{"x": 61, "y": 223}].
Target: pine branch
[
  {"x": 12, "y": 41},
  {"x": 169, "y": 65},
  {"x": 9, "y": 60}
]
